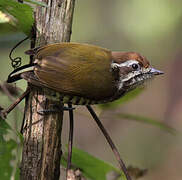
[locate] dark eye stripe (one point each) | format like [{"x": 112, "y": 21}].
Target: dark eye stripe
[{"x": 125, "y": 70}]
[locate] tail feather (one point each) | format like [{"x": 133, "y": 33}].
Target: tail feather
[
  {"x": 16, "y": 77},
  {"x": 30, "y": 77}
]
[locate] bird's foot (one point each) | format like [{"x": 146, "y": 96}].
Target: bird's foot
[{"x": 55, "y": 109}]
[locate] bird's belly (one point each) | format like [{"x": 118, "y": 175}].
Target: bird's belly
[{"x": 73, "y": 99}]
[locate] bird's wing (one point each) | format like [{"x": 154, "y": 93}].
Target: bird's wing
[{"x": 76, "y": 69}]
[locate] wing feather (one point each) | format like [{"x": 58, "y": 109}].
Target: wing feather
[{"x": 76, "y": 69}]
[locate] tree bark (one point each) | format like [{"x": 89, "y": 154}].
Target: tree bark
[{"x": 41, "y": 153}]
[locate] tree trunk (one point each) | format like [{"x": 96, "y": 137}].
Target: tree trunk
[{"x": 42, "y": 133}]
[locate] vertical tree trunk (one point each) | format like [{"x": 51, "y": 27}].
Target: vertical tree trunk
[{"x": 42, "y": 133}]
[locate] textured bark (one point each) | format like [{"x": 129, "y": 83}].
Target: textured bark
[{"x": 42, "y": 133}]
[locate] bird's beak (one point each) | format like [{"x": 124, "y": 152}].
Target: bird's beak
[{"x": 155, "y": 71}]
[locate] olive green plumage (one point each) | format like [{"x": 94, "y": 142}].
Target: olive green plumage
[{"x": 76, "y": 69}]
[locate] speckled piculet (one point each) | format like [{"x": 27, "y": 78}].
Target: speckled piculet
[{"x": 84, "y": 74}]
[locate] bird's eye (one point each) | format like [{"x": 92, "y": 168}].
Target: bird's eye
[{"x": 135, "y": 66}]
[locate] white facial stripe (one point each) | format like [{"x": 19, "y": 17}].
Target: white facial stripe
[
  {"x": 131, "y": 75},
  {"x": 125, "y": 64},
  {"x": 135, "y": 73}
]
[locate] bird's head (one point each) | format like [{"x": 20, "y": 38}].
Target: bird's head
[{"x": 132, "y": 69}]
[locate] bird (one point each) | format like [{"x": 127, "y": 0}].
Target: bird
[{"x": 84, "y": 74}]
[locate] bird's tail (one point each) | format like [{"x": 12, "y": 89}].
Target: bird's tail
[{"x": 13, "y": 76}]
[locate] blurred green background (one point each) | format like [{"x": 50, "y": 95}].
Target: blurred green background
[{"x": 152, "y": 28}]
